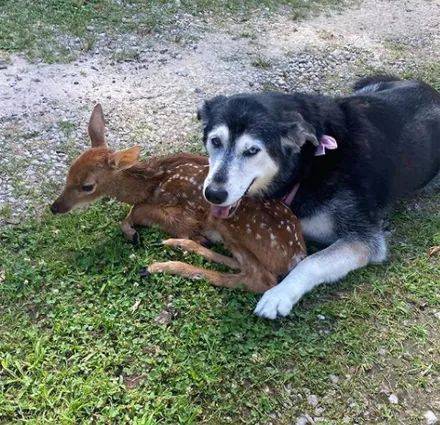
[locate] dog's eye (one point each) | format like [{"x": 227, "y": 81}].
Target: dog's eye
[
  {"x": 251, "y": 151},
  {"x": 87, "y": 187},
  {"x": 216, "y": 142}
]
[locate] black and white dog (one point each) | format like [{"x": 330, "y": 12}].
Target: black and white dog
[{"x": 340, "y": 163}]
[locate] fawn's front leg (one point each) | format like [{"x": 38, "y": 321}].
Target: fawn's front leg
[
  {"x": 171, "y": 219},
  {"x": 251, "y": 276},
  {"x": 179, "y": 268},
  {"x": 192, "y": 246},
  {"x": 168, "y": 218},
  {"x": 127, "y": 228},
  {"x": 142, "y": 215}
]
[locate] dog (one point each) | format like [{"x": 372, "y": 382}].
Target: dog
[{"x": 341, "y": 162}]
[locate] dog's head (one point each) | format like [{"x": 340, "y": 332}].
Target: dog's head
[{"x": 249, "y": 147}]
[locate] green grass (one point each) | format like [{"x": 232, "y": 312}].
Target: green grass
[
  {"x": 60, "y": 30},
  {"x": 79, "y": 339},
  {"x": 429, "y": 73},
  {"x": 74, "y": 347}
]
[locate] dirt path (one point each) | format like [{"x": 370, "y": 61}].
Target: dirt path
[{"x": 150, "y": 88}]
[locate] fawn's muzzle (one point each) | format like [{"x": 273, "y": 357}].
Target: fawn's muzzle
[{"x": 59, "y": 208}]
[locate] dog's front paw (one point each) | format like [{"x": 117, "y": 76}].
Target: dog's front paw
[{"x": 275, "y": 302}]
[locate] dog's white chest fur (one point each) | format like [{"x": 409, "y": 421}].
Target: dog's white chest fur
[{"x": 319, "y": 228}]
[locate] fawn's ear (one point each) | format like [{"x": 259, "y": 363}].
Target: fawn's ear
[
  {"x": 121, "y": 160},
  {"x": 97, "y": 127}
]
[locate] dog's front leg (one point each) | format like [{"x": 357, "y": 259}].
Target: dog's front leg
[{"x": 328, "y": 265}]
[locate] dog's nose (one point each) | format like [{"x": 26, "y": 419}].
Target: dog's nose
[{"x": 215, "y": 196}]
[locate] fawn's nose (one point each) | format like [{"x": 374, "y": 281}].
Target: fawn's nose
[
  {"x": 54, "y": 208},
  {"x": 59, "y": 207},
  {"x": 215, "y": 196}
]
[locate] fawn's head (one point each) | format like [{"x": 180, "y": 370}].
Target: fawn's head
[{"x": 91, "y": 174}]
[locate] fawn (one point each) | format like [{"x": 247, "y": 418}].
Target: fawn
[{"x": 263, "y": 237}]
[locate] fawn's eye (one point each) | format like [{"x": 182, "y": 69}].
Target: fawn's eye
[
  {"x": 251, "y": 151},
  {"x": 87, "y": 187},
  {"x": 216, "y": 142}
]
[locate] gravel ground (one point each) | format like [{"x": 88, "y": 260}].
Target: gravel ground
[{"x": 150, "y": 87}]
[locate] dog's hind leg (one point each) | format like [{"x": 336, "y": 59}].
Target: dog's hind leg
[
  {"x": 328, "y": 265},
  {"x": 227, "y": 280},
  {"x": 191, "y": 246}
]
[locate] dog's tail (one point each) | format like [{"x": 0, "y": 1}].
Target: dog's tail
[{"x": 374, "y": 82}]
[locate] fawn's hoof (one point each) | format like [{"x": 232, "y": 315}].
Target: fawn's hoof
[
  {"x": 206, "y": 243},
  {"x": 136, "y": 239},
  {"x": 144, "y": 272}
]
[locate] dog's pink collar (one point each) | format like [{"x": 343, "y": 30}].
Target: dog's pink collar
[
  {"x": 287, "y": 199},
  {"x": 325, "y": 142}
]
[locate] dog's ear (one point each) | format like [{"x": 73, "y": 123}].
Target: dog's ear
[
  {"x": 295, "y": 132},
  {"x": 205, "y": 110}
]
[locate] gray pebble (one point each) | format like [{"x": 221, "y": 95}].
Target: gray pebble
[{"x": 430, "y": 417}]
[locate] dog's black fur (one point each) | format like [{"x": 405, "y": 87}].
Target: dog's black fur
[{"x": 388, "y": 135}]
